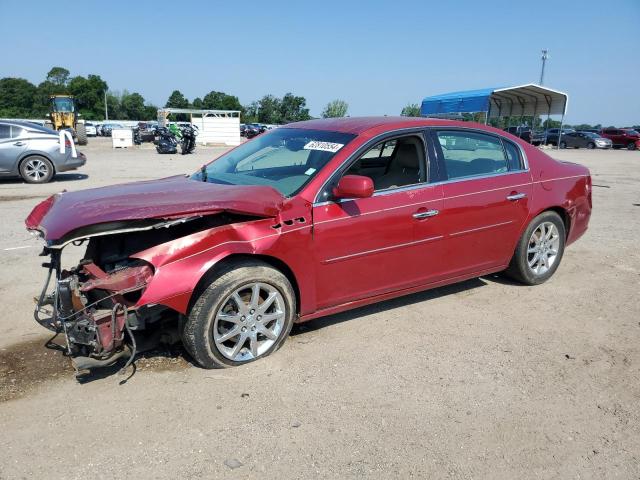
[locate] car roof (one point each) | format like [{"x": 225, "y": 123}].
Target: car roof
[
  {"x": 358, "y": 125},
  {"x": 29, "y": 125}
]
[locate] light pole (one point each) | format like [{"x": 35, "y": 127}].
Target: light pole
[
  {"x": 106, "y": 111},
  {"x": 544, "y": 60}
]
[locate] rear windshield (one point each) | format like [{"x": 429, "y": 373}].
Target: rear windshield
[{"x": 285, "y": 159}]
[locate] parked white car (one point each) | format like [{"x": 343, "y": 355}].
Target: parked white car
[{"x": 90, "y": 128}]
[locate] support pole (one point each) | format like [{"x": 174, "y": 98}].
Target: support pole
[{"x": 560, "y": 132}]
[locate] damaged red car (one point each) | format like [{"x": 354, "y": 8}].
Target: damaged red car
[{"x": 306, "y": 220}]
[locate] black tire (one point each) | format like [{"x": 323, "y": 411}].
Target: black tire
[
  {"x": 563, "y": 144},
  {"x": 631, "y": 146},
  {"x": 591, "y": 145},
  {"x": 36, "y": 169},
  {"x": 197, "y": 334},
  {"x": 81, "y": 134},
  {"x": 519, "y": 268}
]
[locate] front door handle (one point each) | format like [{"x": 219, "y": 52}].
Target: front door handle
[
  {"x": 19, "y": 144},
  {"x": 516, "y": 196},
  {"x": 427, "y": 214}
]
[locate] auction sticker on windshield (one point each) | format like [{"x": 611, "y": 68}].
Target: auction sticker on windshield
[{"x": 324, "y": 146}]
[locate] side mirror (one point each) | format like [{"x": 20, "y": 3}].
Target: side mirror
[{"x": 353, "y": 186}]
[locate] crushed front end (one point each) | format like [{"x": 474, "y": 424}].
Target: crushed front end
[{"x": 94, "y": 306}]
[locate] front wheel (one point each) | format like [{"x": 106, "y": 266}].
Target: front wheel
[
  {"x": 591, "y": 145},
  {"x": 246, "y": 313},
  {"x": 631, "y": 146},
  {"x": 563, "y": 144},
  {"x": 539, "y": 250}
]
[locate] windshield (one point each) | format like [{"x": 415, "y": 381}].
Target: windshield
[
  {"x": 631, "y": 132},
  {"x": 285, "y": 159},
  {"x": 590, "y": 134},
  {"x": 62, "y": 104}
]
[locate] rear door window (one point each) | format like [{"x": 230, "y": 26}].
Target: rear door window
[
  {"x": 470, "y": 154},
  {"x": 5, "y": 131}
]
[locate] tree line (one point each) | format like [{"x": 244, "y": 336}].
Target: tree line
[{"x": 20, "y": 98}]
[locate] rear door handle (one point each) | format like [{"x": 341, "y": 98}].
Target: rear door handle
[
  {"x": 427, "y": 214},
  {"x": 516, "y": 196},
  {"x": 19, "y": 144}
]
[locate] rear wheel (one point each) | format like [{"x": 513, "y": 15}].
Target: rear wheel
[
  {"x": 246, "y": 313},
  {"x": 539, "y": 250},
  {"x": 36, "y": 169},
  {"x": 81, "y": 134},
  {"x": 563, "y": 144},
  {"x": 631, "y": 146}
]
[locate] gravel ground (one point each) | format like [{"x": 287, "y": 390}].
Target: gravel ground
[{"x": 484, "y": 379}]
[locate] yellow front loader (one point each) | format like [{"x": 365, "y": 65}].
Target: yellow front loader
[{"x": 64, "y": 116}]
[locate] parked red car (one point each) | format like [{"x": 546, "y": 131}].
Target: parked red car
[
  {"x": 303, "y": 221},
  {"x": 622, "y": 137}
]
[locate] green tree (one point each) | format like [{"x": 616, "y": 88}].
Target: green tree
[
  {"x": 197, "y": 103},
  {"x": 220, "y": 101},
  {"x": 89, "y": 95},
  {"x": 250, "y": 112},
  {"x": 292, "y": 109},
  {"x": 17, "y": 98},
  {"x": 411, "y": 110},
  {"x": 335, "y": 109},
  {"x": 114, "y": 106},
  {"x": 550, "y": 123},
  {"x": 59, "y": 76},
  {"x": 132, "y": 105},
  {"x": 177, "y": 100},
  {"x": 150, "y": 112},
  {"x": 268, "y": 110}
]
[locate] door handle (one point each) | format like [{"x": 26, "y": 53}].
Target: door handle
[
  {"x": 427, "y": 214},
  {"x": 516, "y": 196},
  {"x": 19, "y": 144}
]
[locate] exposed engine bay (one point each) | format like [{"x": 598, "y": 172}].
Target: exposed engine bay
[{"x": 95, "y": 302}]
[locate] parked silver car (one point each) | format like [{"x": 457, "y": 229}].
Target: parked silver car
[{"x": 32, "y": 152}]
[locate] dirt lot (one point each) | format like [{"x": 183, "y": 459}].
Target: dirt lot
[{"x": 485, "y": 379}]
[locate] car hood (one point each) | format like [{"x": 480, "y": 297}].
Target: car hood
[{"x": 168, "y": 198}]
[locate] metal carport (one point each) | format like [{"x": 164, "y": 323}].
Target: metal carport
[{"x": 522, "y": 100}]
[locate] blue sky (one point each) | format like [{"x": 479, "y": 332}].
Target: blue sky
[{"x": 378, "y": 56}]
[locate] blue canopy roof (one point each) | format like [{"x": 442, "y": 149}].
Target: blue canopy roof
[
  {"x": 457, "y": 102},
  {"x": 528, "y": 99}
]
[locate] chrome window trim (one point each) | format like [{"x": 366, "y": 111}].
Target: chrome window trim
[
  {"x": 525, "y": 160},
  {"x": 389, "y": 191}
]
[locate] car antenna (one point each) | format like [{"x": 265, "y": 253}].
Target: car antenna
[{"x": 203, "y": 172}]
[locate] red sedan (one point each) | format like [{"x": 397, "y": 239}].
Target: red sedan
[{"x": 306, "y": 220}]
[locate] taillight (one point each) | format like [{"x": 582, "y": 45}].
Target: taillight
[{"x": 67, "y": 143}]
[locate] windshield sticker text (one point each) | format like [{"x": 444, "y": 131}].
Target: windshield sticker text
[{"x": 323, "y": 146}]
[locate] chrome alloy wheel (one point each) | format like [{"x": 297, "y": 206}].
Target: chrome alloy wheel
[
  {"x": 36, "y": 169},
  {"x": 249, "y": 322},
  {"x": 543, "y": 248}
]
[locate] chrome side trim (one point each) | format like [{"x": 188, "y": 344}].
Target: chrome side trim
[
  {"x": 485, "y": 227},
  {"x": 375, "y": 211},
  {"x": 378, "y": 250}
]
